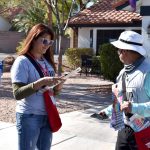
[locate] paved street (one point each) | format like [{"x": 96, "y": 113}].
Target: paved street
[{"x": 3, "y": 55}]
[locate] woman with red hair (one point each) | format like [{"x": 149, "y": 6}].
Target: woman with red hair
[{"x": 31, "y": 116}]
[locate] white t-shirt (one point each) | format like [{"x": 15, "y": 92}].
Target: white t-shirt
[{"x": 23, "y": 71}]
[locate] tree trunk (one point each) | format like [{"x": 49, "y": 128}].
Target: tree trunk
[
  {"x": 81, "y": 4},
  {"x": 49, "y": 14},
  {"x": 60, "y": 56},
  {"x": 50, "y": 17}
]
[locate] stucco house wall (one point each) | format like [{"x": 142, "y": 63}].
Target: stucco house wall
[
  {"x": 4, "y": 24},
  {"x": 9, "y": 41},
  {"x": 145, "y": 24},
  {"x": 84, "y": 38},
  {"x": 84, "y": 35}
]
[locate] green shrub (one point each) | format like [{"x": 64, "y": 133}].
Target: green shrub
[
  {"x": 20, "y": 46},
  {"x": 110, "y": 63},
  {"x": 96, "y": 65},
  {"x": 73, "y": 56}
]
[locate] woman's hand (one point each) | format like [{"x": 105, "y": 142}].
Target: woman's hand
[
  {"x": 58, "y": 88},
  {"x": 50, "y": 81},
  {"x": 46, "y": 81}
]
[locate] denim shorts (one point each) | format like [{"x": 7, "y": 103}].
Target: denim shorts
[{"x": 33, "y": 132}]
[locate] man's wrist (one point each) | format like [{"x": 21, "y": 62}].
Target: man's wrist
[{"x": 130, "y": 107}]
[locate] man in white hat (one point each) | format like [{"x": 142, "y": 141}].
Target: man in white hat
[{"x": 134, "y": 83}]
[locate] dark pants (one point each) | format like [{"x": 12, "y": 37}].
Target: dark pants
[{"x": 126, "y": 139}]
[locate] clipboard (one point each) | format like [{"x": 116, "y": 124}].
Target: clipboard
[
  {"x": 63, "y": 77},
  {"x": 68, "y": 76}
]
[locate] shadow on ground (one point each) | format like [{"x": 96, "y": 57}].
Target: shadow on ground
[{"x": 81, "y": 94}]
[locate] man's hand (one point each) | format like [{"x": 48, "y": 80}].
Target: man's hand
[
  {"x": 126, "y": 107},
  {"x": 103, "y": 115}
]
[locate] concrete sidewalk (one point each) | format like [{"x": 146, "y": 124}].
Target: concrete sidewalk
[{"x": 79, "y": 132}]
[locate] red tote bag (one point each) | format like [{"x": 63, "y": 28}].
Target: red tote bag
[
  {"x": 53, "y": 115},
  {"x": 143, "y": 139}
]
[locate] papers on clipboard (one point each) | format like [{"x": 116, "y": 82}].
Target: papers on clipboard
[
  {"x": 68, "y": 76},
  {"x": 138, "y": 123},
  {"x": 72, "y": 73},
  {"x": 63, "y": 77}
]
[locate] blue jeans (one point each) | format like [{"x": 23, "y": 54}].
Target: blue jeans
[{"x": 33, "y": 132}]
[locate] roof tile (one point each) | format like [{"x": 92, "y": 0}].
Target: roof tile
[{"x": 103, "y": 12}]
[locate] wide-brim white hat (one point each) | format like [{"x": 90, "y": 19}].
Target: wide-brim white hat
[{"x": 130, "y": 40}]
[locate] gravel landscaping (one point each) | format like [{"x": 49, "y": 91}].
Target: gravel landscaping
[
  {"x": 8, "y": 103},
  {"x": 64, "y": 104}
]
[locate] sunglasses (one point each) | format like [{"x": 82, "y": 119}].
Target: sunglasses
[
  {"x": 120, "y": 51},
  {"x": 47, "y": 42}
]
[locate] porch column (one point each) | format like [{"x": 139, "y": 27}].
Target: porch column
[
  {"x": 145, "y": 13},
  {"x": 94, "y": 39}
]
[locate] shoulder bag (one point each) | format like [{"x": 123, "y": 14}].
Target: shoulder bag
[{"x": 53, "y": 115}]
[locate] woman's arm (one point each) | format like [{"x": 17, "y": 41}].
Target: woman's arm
[{"x": 21, "y": 90}]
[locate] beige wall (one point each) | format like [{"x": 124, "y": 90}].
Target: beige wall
[
  {"x": 73, "y": 37},
  {"x": 4, "y": 24},
  {"x": 9, "y": 41},
  {"x": 145, "y": 24}
]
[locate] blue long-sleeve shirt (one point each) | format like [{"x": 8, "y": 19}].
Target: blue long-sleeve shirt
[{"x": 142, "y": 109}]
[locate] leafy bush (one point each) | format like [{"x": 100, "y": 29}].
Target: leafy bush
[
  {"x": 96, "y": 65},
  {"x": 110, "y": 63},
  {"x": 73, "y": 56},
  {"x": 20, "y": 46}
]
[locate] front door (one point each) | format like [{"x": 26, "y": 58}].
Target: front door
[{"x": 106, "y": 36}]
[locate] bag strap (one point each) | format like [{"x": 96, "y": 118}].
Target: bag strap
[
  {"x": 35, "y": 65},
  {"x": 124, "y": 87},
  {"x": 128, "y": 115}
]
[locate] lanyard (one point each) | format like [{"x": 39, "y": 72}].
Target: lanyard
[{"x": 44, "y": 70}]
